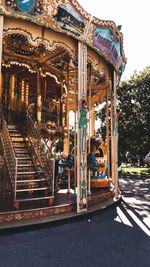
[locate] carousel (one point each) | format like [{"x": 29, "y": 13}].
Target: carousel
[{"x": 57, "y": 65}]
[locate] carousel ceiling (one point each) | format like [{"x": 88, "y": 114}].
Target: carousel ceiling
[{"x": 57, "y": 61}]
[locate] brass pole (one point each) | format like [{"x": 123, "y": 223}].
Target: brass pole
[
  {"x": 44, "y": 98},
  {"x": 115, "y": 133},
  {"x": 22, "y": 94},
  {"x": 68, "y": 133},
  {"x": 112, "y": 136},
  {"x": 75, "y": 137},
  {"x": 1, "y": 45},
  {"x": 89, "y": 139},
  {"x": 39, "y": 98},
  {"x": 82, "y": 198},
  {"x": 12, "y": 91},
  {"x": 107, "y": 131}
]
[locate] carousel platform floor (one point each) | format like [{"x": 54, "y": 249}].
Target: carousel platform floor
[{"x": 64, "y": 208}]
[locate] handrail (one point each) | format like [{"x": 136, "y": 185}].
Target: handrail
[
  {"x": 9, "y": 154},
  {"x": 44, "y": 157}
]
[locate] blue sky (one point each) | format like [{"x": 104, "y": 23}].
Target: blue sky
[{"x": 134, "y": 17}]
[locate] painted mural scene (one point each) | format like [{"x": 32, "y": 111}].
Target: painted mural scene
[{"x": 60, "y": 69}]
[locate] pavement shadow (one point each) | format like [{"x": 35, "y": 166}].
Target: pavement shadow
[
  {"x": 137, "y": 186},
  {"x": 93, "y": 240},
  {"x": 136, "y": 195},
  {"x": 134, "y": 217}
]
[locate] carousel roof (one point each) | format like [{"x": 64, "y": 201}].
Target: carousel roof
[{"x": 68, "y": 17}]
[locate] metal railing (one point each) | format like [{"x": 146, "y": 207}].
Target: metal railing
[
  {"x": 9, "y": 154},
  {"x": 41, "y": 151}
]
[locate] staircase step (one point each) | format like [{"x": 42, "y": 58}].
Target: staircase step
[
  {"x": 27, "y": 152},
  {"x": 26, "y": 169},
  {"x": 12, "y": 126},
  {"x": 32, "y": 189},
  {"x": 12, "y": 133},
  {"x": 26, "y": 173},
  {"x": 35, "y": 198},
  {"x": 21, "y": 140},
  {"x": 20, "y": 158},
  {"x": 19, "y": 144},
  {"x": 25, "y": 165},
  {"x": 23, "y": 158},
  {"x": 16, "y": 136},
  {"x": 35, "y": 180},
  {"x": 21, "y": 151},
  {"x": 18, "y": 149},
  {"x": 13, "y": 129}
]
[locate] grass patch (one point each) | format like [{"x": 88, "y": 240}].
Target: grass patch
[{"x": 135, "y": 170}]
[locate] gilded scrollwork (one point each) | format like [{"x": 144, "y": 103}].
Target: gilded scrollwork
[
  {"x": 68, "y": 17},
  {"x": 28, "y": 8}
]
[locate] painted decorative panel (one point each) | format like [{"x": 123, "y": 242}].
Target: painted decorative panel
[
  {"x": 68, "y": 17},
  {"x": 105, "y": 42},
  {"x": 29, "y": 7}
]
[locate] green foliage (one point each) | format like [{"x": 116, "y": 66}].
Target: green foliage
[
  {"x": 134, "y": 117},
  {"x": 136, "y": 171}
]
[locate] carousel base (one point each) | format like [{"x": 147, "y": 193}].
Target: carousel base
[{"x": 64, "y": 208}]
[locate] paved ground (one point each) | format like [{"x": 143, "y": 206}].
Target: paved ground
[{"x": 117, "y": 236}]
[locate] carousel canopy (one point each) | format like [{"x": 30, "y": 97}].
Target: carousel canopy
[{"x": 69, "y": 18}]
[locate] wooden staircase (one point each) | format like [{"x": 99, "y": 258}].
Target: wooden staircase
[{"x": 32, "y": 186}]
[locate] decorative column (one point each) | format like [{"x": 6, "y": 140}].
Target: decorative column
[
  {"x": 82, "y": 129},
  {"x": 66, "y": 114},
  {"x": 39, "y": 97},
  {"x": 114, "y": 136},
  {"x": 26, "y": 95},
  {"x": 89, "y": 132},
  {"x": 12, "y": 91},
  {"x": 92, "y": 115},
  {"x": 22, "y": 95},
  {"x": 44, "y": 99},
  {"x": 1, "y": 42},
  {"x": 66, "y": 126},
  {"x": 108, "y": 131},
  {"x": 75, "y": 132}
]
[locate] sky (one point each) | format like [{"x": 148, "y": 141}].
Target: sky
[{"x": 134, "y": 17}]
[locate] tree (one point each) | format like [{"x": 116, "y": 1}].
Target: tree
[{"x": 134, "y": 118}]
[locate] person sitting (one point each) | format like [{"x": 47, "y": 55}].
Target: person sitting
[
  {"x": 70, "y": 161},
  {"x": 93, "y": 164}
]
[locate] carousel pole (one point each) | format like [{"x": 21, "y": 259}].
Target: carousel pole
[
  {"x": 82, "y": 130},
  {"x": 92, "y": 115},
  {"x": 22, "y": 95},
  {"x": 12, "y": 91},
  {"x": 89, "y": 144},
  {"x": 1, "y": 47},
  {"x": 68, "y": 133},
  {"x": 75, "y": 138},
  {"x": 26, "y": 94},
  {"x": 112, "y": 137},
  {"x": 107, "y": 132},
  {"x": 39, "y": 97},
  {"x": 115, "y": 135},
  {"x": 44, "y": 98},
  {"x": 61, "y": 101}
]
